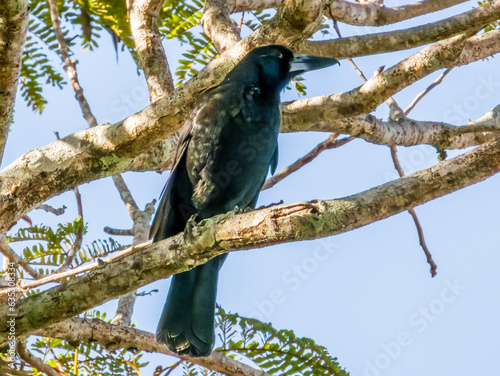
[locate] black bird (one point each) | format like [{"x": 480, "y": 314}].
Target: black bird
[{"x": 224, "y": 154}]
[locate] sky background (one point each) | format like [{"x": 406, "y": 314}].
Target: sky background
[{"x": 367, "y": 295}]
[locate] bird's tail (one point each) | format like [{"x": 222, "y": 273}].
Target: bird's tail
[{"x": 187, "y": 323}]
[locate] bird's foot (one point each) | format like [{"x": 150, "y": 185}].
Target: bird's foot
[
  {"x": 188, "y": 230},
  {"x": 238, "y": 210}
]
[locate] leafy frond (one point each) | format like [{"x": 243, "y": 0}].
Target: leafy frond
[
  {"x": 178, "y": 17},
  {"x": 97, "y": 249},
  {"x": 112, "y": 16},
  {"x": 277, "y": 352},
  {"x": 36, "y": 70},
  {"x": 48, "y": 248},
  {"x": 200, "y": 52}
]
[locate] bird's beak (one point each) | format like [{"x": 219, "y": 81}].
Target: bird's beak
[{"x": 305, "y": 63}]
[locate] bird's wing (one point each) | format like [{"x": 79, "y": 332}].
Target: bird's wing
[{"x": 165, "y": 204}]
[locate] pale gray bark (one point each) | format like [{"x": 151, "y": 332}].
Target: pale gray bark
[
  {"x": 218, "y": 25},
  {"x": 467, "y": 22},
  {"x": 14, "y": 24},
  {"x": 109, "y": 149},
  {"x": 374, "y": 14},
  {"x": 143, "y": 16},
  {"x": 143, "y": 264},
  {"x": 115, "y": 337}
]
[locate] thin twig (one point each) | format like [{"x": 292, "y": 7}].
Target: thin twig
[
  {"x": 240, "y": 25},
  {"x": 420, "y": 231},
  {"x": 58, "y": 276},
  {"x": 395, "y": 113},
  {"x": 50, "y": 209},
  {"x": 9, "y": 253},
  {"x": 423, "y": 93},
  {"x": 70, "y": 65},
  {"x": 330, "y": 143},
  {"x": 126, "y": 196},
  {"x": 118, "y": 232}
]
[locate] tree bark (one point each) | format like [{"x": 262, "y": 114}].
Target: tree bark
[{"x": 143, "y": 264}]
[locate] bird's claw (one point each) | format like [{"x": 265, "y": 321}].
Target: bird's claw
[
  {"x": 188, "y": 230},
  {"x": 238, "y": 210}
]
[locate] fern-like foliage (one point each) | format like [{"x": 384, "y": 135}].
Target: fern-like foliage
[
  {"x": 277, "y": 352},
  {"x": 112, "y": 15},
  {"x": 36, "y": 70},
  {"x": 48, "y": 248}
]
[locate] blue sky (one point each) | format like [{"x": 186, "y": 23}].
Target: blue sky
[{"x": 366, "y": 295}]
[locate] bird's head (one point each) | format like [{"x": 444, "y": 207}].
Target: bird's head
[{"x": 272, "y": 67}]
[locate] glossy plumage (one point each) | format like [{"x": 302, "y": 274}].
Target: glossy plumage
[{"x": 226, "y": 149}]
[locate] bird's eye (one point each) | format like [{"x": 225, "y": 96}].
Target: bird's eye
[{"x": 280, "y": 56}]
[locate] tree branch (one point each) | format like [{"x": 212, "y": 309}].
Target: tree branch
[
  {"x": 112, "y": 337},
  {"x": 108, "y": 149},
  {"x": 33, "y": 361},
  {"x": 369, "y": 14},
  {"x": 70, "y": 66},
  {"x": 50, "y": 209},
  {"x": 126, "y": 196},
  {"x": 143, "y": 15},
  {"x": 323, "y": 110},
  {"x": 218, "y": 25},
  {"x": 236, "y": 6},
  {"x": 398, "y": 40},
  {"x": 14, "y": 20},
  {"x": 330, "y": 143},
  {"x": 143, "y": 264},
  {"x": 9, "y": 253},
  {"x": 118, "y": 232}
]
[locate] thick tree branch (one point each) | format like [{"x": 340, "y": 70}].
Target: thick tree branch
[
  {"x": 398, "y": 40},
  {"x": 143, "y": 16},
  {"x": 102, "y": 151},
  {"x": 448, "y": 53},
  {"x": 370, "y": 14},
  {"x": 143, "y": 264},
  {"x": 408, "y": 132},
  {"x": 218, "y": 25},
  {"x": 14, "y": 24},
  {"x": 108, "y": 149},
  {"x": 248, "y": 5},
  {"x": 112, "y": 337}
]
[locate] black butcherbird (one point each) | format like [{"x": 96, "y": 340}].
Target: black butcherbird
[{"x": 225, "y": 151}]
